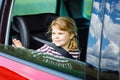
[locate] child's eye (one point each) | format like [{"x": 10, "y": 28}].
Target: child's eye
[
  {"x": 60, "y": 33},
  {"x": 53, "y": 33}
]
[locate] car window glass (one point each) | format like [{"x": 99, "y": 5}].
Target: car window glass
[
  {"x": 93, "y": 49},
  {"x": 0, "y": 4},
  {"x": 73, "y": 67},
  {"x": 87, "y": 7},
  {"x": 0, "y": 7},
  {"x": 103, "y": 44},
  {"x": 34, "y": 7},
  {"x": 110, "y": 41}
]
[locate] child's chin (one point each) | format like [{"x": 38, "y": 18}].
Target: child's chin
[{"x": 57, "y": 44}]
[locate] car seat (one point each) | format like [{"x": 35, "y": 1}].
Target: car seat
[
  {"x": 32, "y": 28},
  {"x": 82, "y": 30}
]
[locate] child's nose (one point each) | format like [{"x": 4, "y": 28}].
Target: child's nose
[{"x": 56, "y": 36}]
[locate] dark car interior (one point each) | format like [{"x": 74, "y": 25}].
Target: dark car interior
[
  {"x": 30, "y": 36},
  {"x": 30, "y": 29}
]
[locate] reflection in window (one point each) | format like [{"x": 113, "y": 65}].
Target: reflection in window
[
  {"x": 108, "y": 57},
  {"x": 111, "y": 39},
  {"x": 93, "y": 50}
]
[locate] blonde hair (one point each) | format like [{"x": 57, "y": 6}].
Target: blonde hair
[{"x": 66, "y": 24}]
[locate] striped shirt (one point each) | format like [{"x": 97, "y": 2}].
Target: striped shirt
[{"x": 50, "y": 50}]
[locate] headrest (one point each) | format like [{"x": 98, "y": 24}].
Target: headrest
[
  {"x": 36, "y": 22},
  {"x": 82, "y": 22}
]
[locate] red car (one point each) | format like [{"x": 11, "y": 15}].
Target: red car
[{"x": 98, "y": 28}]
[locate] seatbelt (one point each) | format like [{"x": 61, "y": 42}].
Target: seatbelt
[{"x": 59, "y": 49}]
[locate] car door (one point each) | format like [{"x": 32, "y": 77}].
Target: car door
[
  {"x": 22, "y": 62},
  {"x": 103, "y": 51},
  {"x": 5, "y": 13}
]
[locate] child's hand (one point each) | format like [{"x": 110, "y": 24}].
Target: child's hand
[{"x": 17, "y": 43}]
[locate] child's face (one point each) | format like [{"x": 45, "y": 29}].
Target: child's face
[{"x": 60, "y": 37}]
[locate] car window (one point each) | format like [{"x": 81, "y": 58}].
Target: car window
[
  {"x": 103, "y": 42},
  {"x": 0, "y": 8},
  {"x": 87, "y": 8},
  {"x": 110, "y": 39},
  {"x": 34, "y": 7},
  {"x": 0, "y": 4},
  {"x": 30, "y": 7},
  {"x": 68, "y": 66},
  {"x": 76, "y": 9}
]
